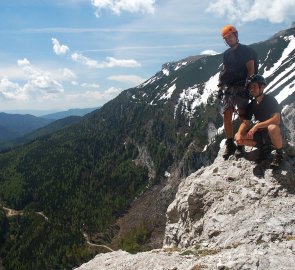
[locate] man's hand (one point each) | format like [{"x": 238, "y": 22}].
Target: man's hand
[
  {"x": 251, "y": 132},
  {"x": 238, "y": 138}
]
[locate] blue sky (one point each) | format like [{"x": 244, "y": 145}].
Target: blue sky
[{"x": 62, "y": 54}]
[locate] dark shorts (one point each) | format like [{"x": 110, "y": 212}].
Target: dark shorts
[
  {"x": 235, "y": 96},
  {"x": 261, "y": 137}
]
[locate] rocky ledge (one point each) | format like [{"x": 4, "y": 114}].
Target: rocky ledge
[
  {"x": 241, "y": 213},
  {"x": 233, "y": 214}
]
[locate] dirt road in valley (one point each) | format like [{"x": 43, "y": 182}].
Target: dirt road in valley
[{"x": 11, "y": 213}]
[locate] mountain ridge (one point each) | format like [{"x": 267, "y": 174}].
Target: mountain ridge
[
  {"x": 17, "y": 125},
  {"x": 70, "y": 112}
]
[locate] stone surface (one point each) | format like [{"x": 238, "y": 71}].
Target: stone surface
[
  {"x": 242, "y": 211},
  {"x": 288, "y": 115},
  {"x": 153, "y": 260}
]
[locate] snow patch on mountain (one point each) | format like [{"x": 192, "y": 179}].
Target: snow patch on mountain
[
  {"x": 209, "y": 52},
  {"x": 194, "y": 96},
  {"x": 284, "y": 78},
  {"x": 149, "y": 81},
  {"x": 288, "y": 50},
  {"x": 166, "y": 72},
  {"x": 287, "y": 91},
  {"x": 169, "y": 92},
  {"x": 210, "y": 87},
  {"x": 180, "y": 65}
]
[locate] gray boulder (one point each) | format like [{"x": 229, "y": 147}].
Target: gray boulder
[{"x": 240, "y": 213}]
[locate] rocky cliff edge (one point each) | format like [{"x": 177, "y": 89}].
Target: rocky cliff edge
[
  {"x": 241, "y": 212},
  {"x": 233, "y": 214}
]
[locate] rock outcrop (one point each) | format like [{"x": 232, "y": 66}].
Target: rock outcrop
[
  {"x": 152, "y": 260},
  {"x": 288, "y": 114},
  {"x": 233, "y": 214},
  {"x": 243, "y": 212}
]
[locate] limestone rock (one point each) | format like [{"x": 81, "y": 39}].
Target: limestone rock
[
  {"x": 153, "y": 260},
  {"x": 246, "y": 217}
]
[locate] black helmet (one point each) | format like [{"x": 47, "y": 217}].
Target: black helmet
[{"x": 257, "y": 78}]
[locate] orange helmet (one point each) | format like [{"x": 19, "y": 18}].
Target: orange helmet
[{"x": 228, "y": 30}]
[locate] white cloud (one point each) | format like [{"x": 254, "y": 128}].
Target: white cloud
[
  {"x": 112, "y": 92},
  {"x": 38, "y": 85},
  {"x": 58, "y": 48},
  {"x": 23, "y": 62},
  {"x": 67, "y": 74},
  {"x": 118, "y": 6},
  {"x": 12, "y": 72},
  {"x": 75, "y": 83},
  {"x": 209, "y": 52},
  {"x": 89, "y": 98},
  {"x": 275, "y": 11},
  {"x": 11, "y": 91},
  {"x": 90, "y": 85},
  {"x": 110, "y": 63},
  {"x": 132, "y": 80},
  {"x": 113, "y": 62},
  {"x": 79, "y": 58},
  {"x": 92, "y": 96}
]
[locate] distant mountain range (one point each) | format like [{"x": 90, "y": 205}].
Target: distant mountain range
[
  {"x": 71, "y": 112},
  {"x": 16, "y": 125},
  {"x": 16, "y": 128},
  {"x": 54, "y": 126},
  {"x": 112, "y": 175}
]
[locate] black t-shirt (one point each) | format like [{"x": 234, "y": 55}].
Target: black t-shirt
[
  {"x": 234, "y": 61},
  {"x": 264, "y": 110}
]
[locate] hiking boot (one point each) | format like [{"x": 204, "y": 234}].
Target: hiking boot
[
  {"x": 264, "y": 152},
  {"x": 230, "y": 148},
  {"x": 240, "y": 151},
  {"x": 277, "y": 159}
]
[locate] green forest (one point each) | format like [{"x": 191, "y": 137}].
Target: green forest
[{"x": 85, "y": 176}]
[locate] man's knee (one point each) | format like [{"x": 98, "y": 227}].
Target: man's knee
[{"x": 274, "y": 129}]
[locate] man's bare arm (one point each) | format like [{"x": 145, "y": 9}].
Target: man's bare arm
[
  {"x": 274, "y": 120},
  {"x": 250, "y": 68}
]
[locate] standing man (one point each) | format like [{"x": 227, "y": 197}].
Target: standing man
[
  {"x": 267, "y": 132},
  {"x": 239, "y": 64}
]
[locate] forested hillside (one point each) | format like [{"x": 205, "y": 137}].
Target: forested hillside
[
  {"x": 16, "y": 125},
  {"x": 43, "y": 131}
]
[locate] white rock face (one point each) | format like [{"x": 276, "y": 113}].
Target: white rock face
[
  {"x": 289, "y": 121},
  {"x": 243, "y": 212},
  {"x": 153, "y": 260}
]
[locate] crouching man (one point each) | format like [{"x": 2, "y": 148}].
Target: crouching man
[{"x": 266, "y": 133}]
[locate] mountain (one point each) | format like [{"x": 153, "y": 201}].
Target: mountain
[
  {"x": 109, "y": 179},
  {"x": 71, "y": 112},
  {"x": 6, "y": 133},
  {"x": 25, "y": 128},
  {"x": 44, "y": 131},
  {"x": 16, "y": 125}
]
